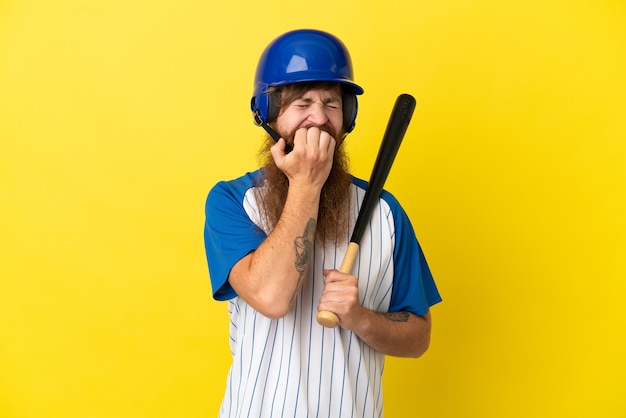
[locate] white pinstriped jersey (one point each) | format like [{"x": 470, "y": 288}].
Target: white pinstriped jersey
[{"x": 292, "y": 366}]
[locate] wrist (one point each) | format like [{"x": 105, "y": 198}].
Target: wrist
[
  {"x": 363, "y": 322},
  {"x": 305, "y": 196}
]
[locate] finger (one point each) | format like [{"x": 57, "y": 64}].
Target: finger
[
  {"x": 338, "y": 280},
  {"x": 327, "y": 142},
  {"x": 313, "y": 136},
  {"x": 300, "y": 136},
  {"x": 331, "y": 276},
  {"x": 322, "y": 138}
]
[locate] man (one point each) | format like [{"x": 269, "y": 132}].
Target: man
[{"x": 275, "y": 238}]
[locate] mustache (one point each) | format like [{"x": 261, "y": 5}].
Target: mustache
[{"x": 326, "y": 128}]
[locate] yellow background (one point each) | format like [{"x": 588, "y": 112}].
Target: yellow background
[{"x": 116, "y": 117}]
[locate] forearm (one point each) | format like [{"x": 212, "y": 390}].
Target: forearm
[
  {"x": 269, "y": 278},
  {"x": 400, "y": 334}
]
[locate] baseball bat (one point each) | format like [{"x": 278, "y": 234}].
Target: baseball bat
[{"x": 394, "y": 133}]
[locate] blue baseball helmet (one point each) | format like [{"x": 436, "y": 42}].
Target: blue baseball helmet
[{"x": 304, "y": 55}]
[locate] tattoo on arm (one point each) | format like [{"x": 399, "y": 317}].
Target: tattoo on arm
[
  {"x": 397, "y": 316},
  {"x": 303, "y": 246}
]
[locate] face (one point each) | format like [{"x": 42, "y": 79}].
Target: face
[{"x": 318, "y": 107}]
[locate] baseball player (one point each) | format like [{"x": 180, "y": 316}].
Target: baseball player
[{"x": 274, "y": 240}]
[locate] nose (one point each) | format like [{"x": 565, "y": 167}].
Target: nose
[{"x": 317, "y": 114}]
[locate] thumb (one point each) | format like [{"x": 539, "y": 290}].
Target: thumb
[{"x": 278, "y": 149}]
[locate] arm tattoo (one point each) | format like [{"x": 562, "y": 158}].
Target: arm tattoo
[
  {"x": 397, "y": 316},
  {"x": 303, "y": 246}
]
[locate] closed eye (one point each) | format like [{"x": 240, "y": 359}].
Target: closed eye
[
  {"x": 333, "y": 104},
  {"x": 302, "y": 103}
]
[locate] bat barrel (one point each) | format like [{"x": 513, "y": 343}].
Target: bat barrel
[{"x": 394, "y": 133}]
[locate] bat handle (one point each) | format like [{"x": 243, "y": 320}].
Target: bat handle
[{"x": 329, "y": 319}]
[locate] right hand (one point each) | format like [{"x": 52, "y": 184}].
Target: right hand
[{"x": 310, "y": 161}]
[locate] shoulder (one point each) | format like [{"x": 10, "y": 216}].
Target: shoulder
[
  {"x": 239, "y": 184},
  {"x": 234, "y": 189}
]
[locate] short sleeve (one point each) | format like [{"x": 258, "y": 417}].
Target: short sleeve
[
  {"x": 229, "y": 233},
  {"x": 414, "y": 288}
]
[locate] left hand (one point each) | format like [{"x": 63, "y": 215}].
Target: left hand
[{"x": 341, "y": 296}]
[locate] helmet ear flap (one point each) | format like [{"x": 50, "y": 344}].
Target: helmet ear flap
[
  {"x": 273, "y": 105},
  {"x": 265, "y": 107},
  {"x": 259, "y": 109},
  {"x": 350, "y": 108}
]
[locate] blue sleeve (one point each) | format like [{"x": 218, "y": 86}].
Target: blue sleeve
[
  {"x": 229, "y": 233},
  {"x": 414, "y": 288}
]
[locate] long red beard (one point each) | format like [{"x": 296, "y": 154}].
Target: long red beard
[{"x": 334, "y": 215}]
